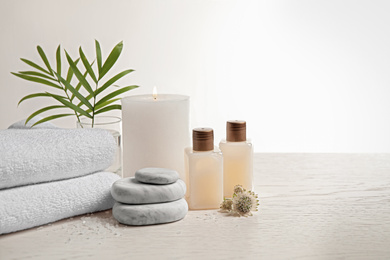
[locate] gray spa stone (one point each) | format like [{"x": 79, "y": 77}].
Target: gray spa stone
[
  {"x": 156, "y": 175},
  {"x": 149, "y": 214},
  {"x": 131, "y": 191}
]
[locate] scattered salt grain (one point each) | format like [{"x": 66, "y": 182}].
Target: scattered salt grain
[{"x": 99, "y": 226}]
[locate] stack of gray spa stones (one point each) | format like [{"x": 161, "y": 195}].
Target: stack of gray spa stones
[{"x": 153, "y": 196}]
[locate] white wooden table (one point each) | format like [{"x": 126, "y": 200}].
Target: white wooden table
[{"x": 313, "y": 206}]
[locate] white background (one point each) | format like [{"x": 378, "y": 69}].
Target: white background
[{"x": 307, "y": 76}]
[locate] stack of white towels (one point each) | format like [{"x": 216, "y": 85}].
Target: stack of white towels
[{"x": 49, "y": 173}]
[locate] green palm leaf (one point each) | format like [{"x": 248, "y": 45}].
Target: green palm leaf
[
  {"x": 104, "y": 104},
  {"x": 112, "y": 81},
  {"x": 115, "y": 93},
  {"x": 78, "y": 74},
  {"x": 34, "y": 65},
  {"x": 98, "y": 56},
  {"x": 75, "y": 92},
  {"x": 78, "y": 86},
  {"x": 72, "y": 106},
  {"x": 36, "y": 95},
  {"x": 44, "y": 58},
  {"x": 37, "y": 80},
  {"x": 70, "y": 73},
  {"x": 87, "y": 65},
  {"x": 112, "y": 58},
  {"x": 109, "y": 83},
  {"x": 41, "y": 111},
  {"x": 58, "y": 59},
  {"x": 109, "y": 108},
  {"x": 38, "y": 74},
  {"x": 56, "y": 96},
  {"x": 51, "y": 118}
]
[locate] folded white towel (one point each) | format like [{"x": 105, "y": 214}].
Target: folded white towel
[
  {"x": 40, "y": 155},
  {"x": 22, "y": 124},
  {"x": 34, "y": 205}
]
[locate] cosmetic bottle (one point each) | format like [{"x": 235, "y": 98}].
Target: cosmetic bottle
[
  {"x": 237, "y": 154},
  {"x": 204, "y": 171}
]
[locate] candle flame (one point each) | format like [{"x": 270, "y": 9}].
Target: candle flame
[{"x": 155, "y": 93}]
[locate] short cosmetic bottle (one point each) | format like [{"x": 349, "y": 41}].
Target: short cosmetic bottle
[
  {"x": 204, "y": 171},
  {"x": 237, "y": 158}
]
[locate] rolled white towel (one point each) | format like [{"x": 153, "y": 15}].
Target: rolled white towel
[
  {"x": 41, "y": 155},
  {"x": 35, "y": 205}
]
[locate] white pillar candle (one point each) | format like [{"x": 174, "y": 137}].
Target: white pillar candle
[{"x": 155, "y": 130}]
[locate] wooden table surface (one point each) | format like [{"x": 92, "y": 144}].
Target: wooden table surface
[{"x": 313, "y": 206}]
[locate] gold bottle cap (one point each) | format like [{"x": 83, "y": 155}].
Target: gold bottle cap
[
  {"x": 203, "y": 139},
  {"x": 235, "y": 131}
]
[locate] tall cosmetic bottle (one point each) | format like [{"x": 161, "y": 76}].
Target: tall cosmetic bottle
[
  {"x": 237, "y": 158},
  {"x": 204, "y": 171}
]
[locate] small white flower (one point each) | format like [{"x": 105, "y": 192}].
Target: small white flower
[
  {"x": 238, "y": 189},
  {"x": 226, "y": 205},
  {"x": 245, "y": 202}
]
